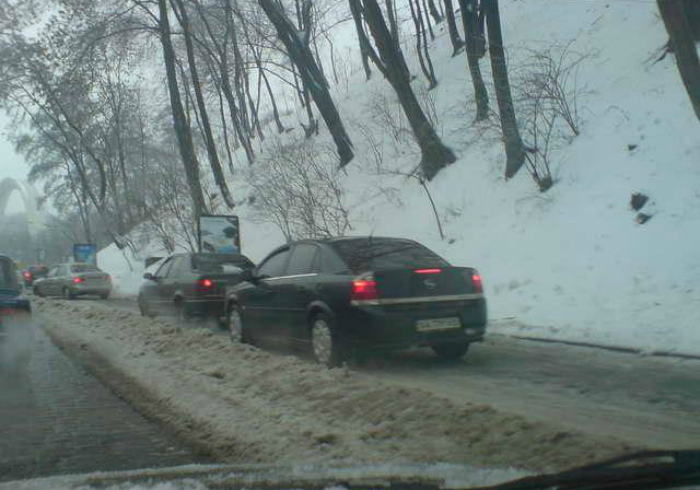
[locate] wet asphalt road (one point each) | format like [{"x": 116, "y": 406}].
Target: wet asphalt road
[{"x": 55, "y": 418}]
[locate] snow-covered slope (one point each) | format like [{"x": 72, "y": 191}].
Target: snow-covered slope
[{"x": 570, "y": 263}]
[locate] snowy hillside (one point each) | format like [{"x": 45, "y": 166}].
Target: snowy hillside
[{"x": 571, "y": 263}]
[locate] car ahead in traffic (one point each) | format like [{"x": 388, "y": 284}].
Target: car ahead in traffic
[
  {"x": 349, "y": 294},
  {"x": 72, "y": 280},
  {"x": 13, "y": 301},
  {"x": 191, "y": 285},
  {"x": 33, "y": 273}
]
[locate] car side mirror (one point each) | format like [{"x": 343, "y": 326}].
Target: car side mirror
[
  {"x": 248, "y": 275},
  {"x": 150, "y": 277}
]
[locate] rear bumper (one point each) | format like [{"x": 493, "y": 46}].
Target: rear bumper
[{"x": 391, "y": 328}]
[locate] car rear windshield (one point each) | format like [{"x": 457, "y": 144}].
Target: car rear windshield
[
  {"x": 366, "y": 254},
  {"x": 77, "y": 269},
  {"x": 218, "y": 263}
]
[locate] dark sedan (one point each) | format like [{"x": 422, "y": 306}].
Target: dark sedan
[
  {"x": 191, "y": 285},
  {"x": 350, "y": 294}
]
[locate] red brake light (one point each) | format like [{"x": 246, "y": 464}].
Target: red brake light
[
  {"x": 205, "y": 285},
  {"x": 476, "y": 281},
  {"x": 27, "y": 274},
  {"x": 78, "y": 280},
  {"x": 428, "y": 271},
  {"x": 364, "y": 289}
]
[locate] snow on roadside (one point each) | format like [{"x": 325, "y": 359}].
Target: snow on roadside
[{"x": 242, "y": 404}]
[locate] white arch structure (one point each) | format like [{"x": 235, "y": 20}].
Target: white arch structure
[{"x": 29, "y": 198}]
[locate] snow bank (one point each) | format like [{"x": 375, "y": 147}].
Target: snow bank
[{"x": 242, "y": 404}]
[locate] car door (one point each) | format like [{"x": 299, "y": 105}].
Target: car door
[
  {"x": 168, "y": 284},
  {"x": 155, "y": 296},
  {"x": 296, "y": 290},
  {"x": 258, "y": 305},
  {"x": 45, "y": 285},
  {"x": 58, "y": 281}
]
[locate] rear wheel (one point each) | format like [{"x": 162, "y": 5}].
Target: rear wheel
[
  {"x": 67, "y": 294},
  {"x": 181, "y": 311},
  {"x": 327, "y": 343},
  {"x": 451, "y": 351}
]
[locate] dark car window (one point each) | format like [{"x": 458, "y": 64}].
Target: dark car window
[
  {"x": 80, "y": 268},
  {"x": 53, "y": 272},
  {"x": 365, "y": 254},
  {"x": 275, "y": 265},
  {"x": 331, "y": 263},
  {"x": 220, "y": 263},
  {"x": 181, "y": 266},
  {"x": 165, "y": 267},
  {"x": 303, "y": 260}
]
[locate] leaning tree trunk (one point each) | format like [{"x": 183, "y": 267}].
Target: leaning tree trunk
[
  {"x": 299, "y": 52},
  {"x": 215, "y": 162},
  {"x": 683, "y": 44},
  {"x": 515, "y": 150},
  {"x": 182, "y": 130},
  {"x": 359, "y": 28},
  {"x": 430, "y": 27},
  {"x": 474, "y": 36},
  {"x": 391, "y": 14},
  {"x": 435, "y": 155},
  {"x": 457, "y": 43}
]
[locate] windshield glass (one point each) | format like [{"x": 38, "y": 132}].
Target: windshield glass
[
  {"x": 80, "y": 268},
  {"x": 221, "y": 263},
  {"x": 388, "y": 238},
  {"x": 379, "y": 253}
]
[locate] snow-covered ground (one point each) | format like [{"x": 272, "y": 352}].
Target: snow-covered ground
[
  {"x": 571, "y": 263},
  {"x": 241, "y": 404}
]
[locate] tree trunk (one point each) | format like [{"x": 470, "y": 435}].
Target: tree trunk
[
  {"x": 434, "y": 12},
  {"x": 435, "y": 155},
  {"x": 300, "y": 54},
  {"x": 359, "y": 28},
  {"x": 474, "y": 42},
  {"x": 430, "y": 27},
  {"x": 182, "y": 130},
  {"x": 393, "y": 25},
  {"x": 210, "y": 142},
  {"x": 422, "y": 44},
  {"x": 515, "y": 150},
  {"x": 681, "y": 35},
  {"x": 271, "y": 95},
  {"x": 457, "y": 43}
]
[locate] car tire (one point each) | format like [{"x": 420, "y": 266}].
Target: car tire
[
  {"x": 451, "y": 351},
  {"x": 67, "y": 294},
  {"x": 104, "y": 296},
  {"x": 234, "y": 325},
  {"x": 37, "y": 292},
  {"x": 327, "y": 343}
]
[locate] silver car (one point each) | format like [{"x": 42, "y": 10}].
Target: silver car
[{"x": 71, "y": 280}]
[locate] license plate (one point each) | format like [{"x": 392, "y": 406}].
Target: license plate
[{"x": 436, "y": 324}]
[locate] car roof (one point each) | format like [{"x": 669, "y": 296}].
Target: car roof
[{"x": 351, "y": 238}]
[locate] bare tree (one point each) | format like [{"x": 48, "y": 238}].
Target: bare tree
[
  {"x": 515, "y": 150},
  {"x": 357, "y": 19},
  {"x": 182, "y": 128},
  {"x": 435, "y": 155},
  {"x": 473, "y": 21},
  {"x": 457, "y": 42},
  {"x": 297, "y": 45},
  {"x": 424, "y": 60},
  {"x": 676, "y": 20}
]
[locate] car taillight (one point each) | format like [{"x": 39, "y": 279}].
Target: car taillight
[
  {"x": 27, "y": 275},
  {"x": 428, "y": 271},
  {"x": 205, "y": 285},
  {"x": 364, "y": 289},
  {"x": 78, "y": 280},
  {"x": 476, "y": 281}
]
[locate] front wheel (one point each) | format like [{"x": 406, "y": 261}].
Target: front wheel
[
  {"x": 327, "y": 343},
  {"x": 234, "y": 325},
  {"x": 451, "y": 351}
]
